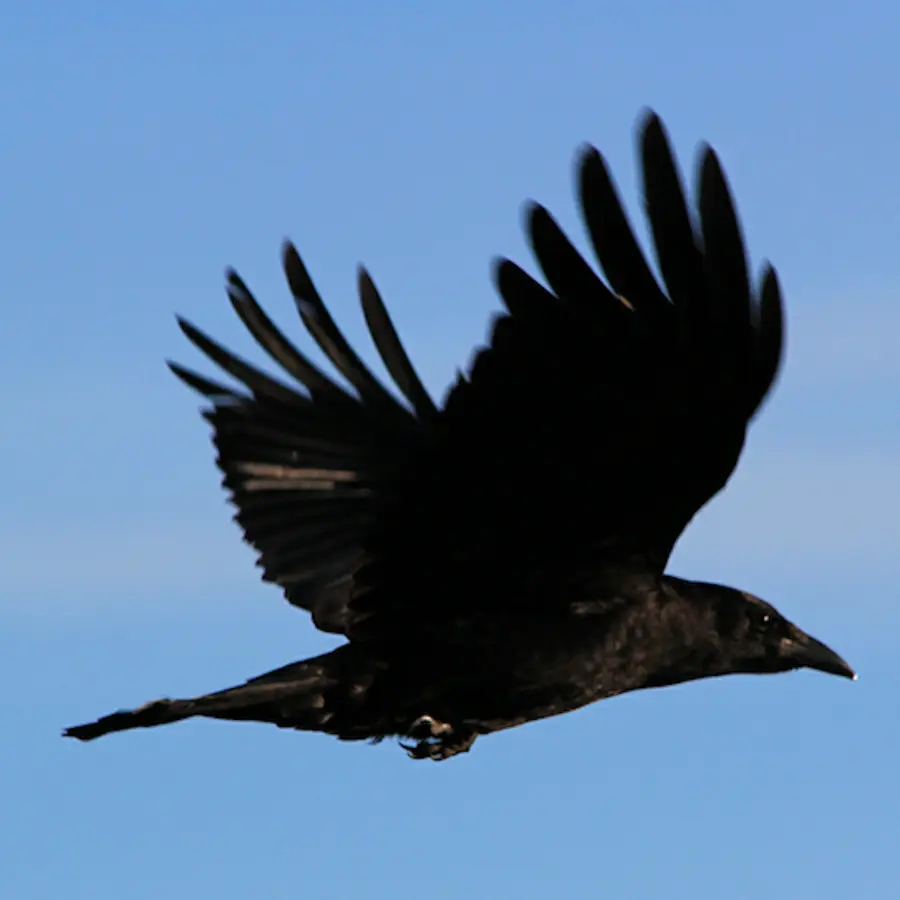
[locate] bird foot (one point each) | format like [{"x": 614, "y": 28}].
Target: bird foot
[{"x": 437, "y": 740}]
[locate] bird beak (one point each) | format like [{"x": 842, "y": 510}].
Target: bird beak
[{"x": 807, "y": 652}]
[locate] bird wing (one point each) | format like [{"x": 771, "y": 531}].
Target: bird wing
[
  {"x": 598, "y": 420},
  {"x": 302, "y": 466}
]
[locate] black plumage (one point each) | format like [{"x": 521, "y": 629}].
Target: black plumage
[{"x": 501, "y": 559}]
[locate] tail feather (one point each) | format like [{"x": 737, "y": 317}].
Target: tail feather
[
  {"x": 291, "y": 697},
  {"x": 158, "y": 712}
]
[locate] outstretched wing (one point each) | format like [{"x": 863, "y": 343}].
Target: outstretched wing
[
  {"x": 599, "y": 419},
  {"x": 596, "y": 423},
  {"x": 303, "y": 466}
]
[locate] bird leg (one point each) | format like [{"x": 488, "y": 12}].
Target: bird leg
[{"x": 437, "y": 740}]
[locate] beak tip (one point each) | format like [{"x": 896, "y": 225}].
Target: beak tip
[{"x": 813, "y": 654}]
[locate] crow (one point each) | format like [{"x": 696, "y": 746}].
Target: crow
[{"x": 501, "y": 558}]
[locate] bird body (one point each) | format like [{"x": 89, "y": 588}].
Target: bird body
[{"x": 502, "y": 558}]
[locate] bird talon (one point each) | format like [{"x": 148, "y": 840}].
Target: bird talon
[
  {"x": 437, "y": 740},
  {"x": 427, "y": 726}
]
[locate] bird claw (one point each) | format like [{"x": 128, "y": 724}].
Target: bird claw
[
  {"x": 428, "y": 727},
  {"x": 437, "y": 740}
]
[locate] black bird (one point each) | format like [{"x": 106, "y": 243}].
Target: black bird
[{"x": 501, "y": 559}]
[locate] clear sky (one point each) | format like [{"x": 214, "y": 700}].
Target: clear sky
[{"x": 145, "y": 147}]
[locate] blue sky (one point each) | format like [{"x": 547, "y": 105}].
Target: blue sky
[{"x": 145, "y": 147}]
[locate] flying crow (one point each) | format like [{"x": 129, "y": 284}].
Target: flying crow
[{"x": 501, "y": 558}]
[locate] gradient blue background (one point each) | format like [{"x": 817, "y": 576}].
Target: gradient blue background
[{"x": 146, "y": 146}]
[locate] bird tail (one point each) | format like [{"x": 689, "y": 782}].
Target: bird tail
[
  {"x": 157, "y": 712},
  {"x": 312, "y": 695}
]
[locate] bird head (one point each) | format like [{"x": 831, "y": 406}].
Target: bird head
[{"x": 754, "y": 637}]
